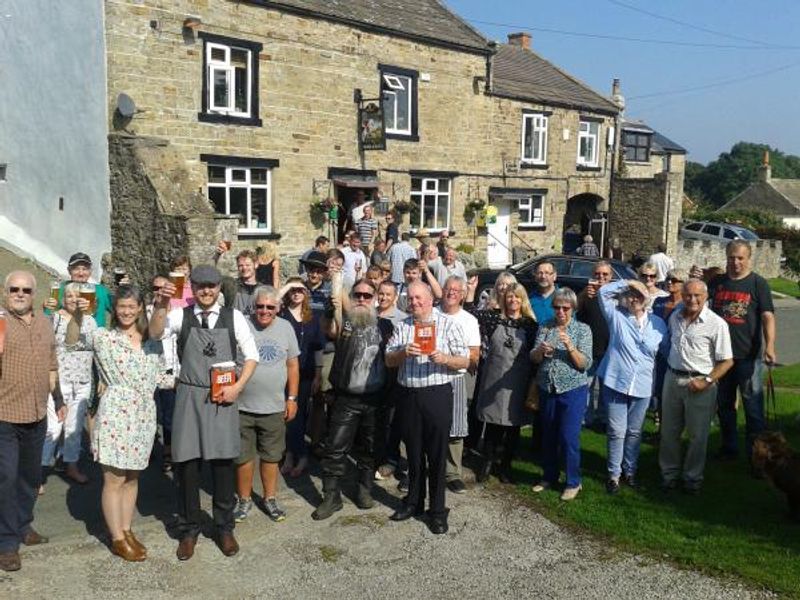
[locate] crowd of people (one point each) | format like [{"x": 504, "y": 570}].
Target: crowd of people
[{"x": 378, "y": 353}]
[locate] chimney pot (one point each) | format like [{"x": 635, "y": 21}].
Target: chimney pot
[
  {"x": 765, "y": 171},
  {"x": 521, "y": 39}
]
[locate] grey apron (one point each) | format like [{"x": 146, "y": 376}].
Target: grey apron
[
  {"x": 201, "y": 428},
  {"x": 504, "y": 378}
]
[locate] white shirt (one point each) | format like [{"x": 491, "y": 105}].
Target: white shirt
[
  {"x": 663, "y": 265},
  {"x": 351, "y": 257},
  {"x": 241, "y": 330},
  {"x": 698, "y": 345},
  {"x": 469, "y": 325}
]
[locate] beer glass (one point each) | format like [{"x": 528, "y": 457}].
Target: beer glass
[
  {"x": 89, "y": 293},
  {"x": 55, "y": 291},
  {"x": 228, "y": 245},
  {"x": 425, "y": 336},
  {"x": 178, "y": 279},
  {"x": 119, "y": 274}
]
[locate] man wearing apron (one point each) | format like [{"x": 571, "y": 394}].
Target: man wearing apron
[{"x": 203, "y": 429}]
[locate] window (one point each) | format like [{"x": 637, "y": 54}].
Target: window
[
  {"x": 583, "y": 269},
  {"x": 711, "y": 230},
  {"x": 694, "y": 226},
  {"x": 534, "y": 139},
  {"x": 666, "y": 163},
  {"x": 588, "y": 143},
  {"x": 399, "y": 100},
  {"x": 531, "y": 211},
  {"x": 637, "y": 146},
  {"x": 430, "y": 200},
  {"x": 729, "y": 234},
  {"x": 230, "y": 80},
  {"x": 242, "y": 188}
]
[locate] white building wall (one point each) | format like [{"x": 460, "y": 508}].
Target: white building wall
[
  {"x": 53, "y": 130},
  {"x": 793, "y": 222}
]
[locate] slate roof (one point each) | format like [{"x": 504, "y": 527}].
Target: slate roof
[
  {"x": 778, "y": 196},
  {"x": 659, "y": 144},
  {"x": 789, "y": 189},
  {"x": 426, "y": 20},
  {"x": 524, "y": 75}
]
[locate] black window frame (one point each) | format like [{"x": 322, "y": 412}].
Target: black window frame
[
  {"x": 384, "y": 69},
  {"x": 255, "y": 48},
  {"x": 638, "y": 146}
]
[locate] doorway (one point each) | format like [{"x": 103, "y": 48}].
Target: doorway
[
  {"x": 497, "y": 238},
  {"x": 348, "y": 197}
]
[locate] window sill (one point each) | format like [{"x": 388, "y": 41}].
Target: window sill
[
  {"x": 405, "y": 137},
  {"x": 590, "y": 168},
  {"x": 256, "y": 234},
  {"x": 523, "y": 227},
  {"x": 532, "y": 165},
  {"x": 228, "y": 119}
]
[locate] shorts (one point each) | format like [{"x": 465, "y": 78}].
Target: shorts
[{"x": 264, "y": 434}]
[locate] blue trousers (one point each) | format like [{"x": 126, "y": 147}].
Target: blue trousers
[
  {"x": 624, "y": 433},
  {"x": 20, "y": 475},
  {"x": 561, "y": 433},
  {"x": 746, "y": 376},
  {"x": 296, "y": 428}
]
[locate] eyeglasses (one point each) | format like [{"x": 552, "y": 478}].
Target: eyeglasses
[
  {"x": 157, "y": 288},
  {"x": 648, "y": 275},
  {"x": 363, "y": 295},
  {"x": 16, "y": 290},
  {"x": 560, "y": 308},
  {"x": 265, "y": 307}
]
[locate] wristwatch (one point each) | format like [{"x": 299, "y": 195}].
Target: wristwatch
[
  {"x": 708, "y": 379},
  {"x": 292, "y": 398}
]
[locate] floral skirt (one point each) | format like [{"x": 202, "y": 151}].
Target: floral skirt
[{"x": 124, "y": 429}]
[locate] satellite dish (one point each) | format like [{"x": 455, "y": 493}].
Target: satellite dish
[{"x": 126, "y": 106}]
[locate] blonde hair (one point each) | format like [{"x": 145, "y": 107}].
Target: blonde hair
[
  {"x": 267, "y": 252},
  {"x": 520, "y": 292}
]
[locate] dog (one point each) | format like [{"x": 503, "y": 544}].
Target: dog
[{"x": 773, "y": 457}]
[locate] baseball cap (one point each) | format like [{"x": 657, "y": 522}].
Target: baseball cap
[
  {"x": 79, "y": 258},
  {"x": 205, "y": 274}
]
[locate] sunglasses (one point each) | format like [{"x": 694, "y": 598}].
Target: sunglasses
[
  {"x": 673, "y": 280},
  {"x": 648, "y": 275},
  {"x": 265, "y": 307},
  {"x": 363, "y": 295},
  {"x": 16, "y": 290},
  {"x": 157, "y": 288},
  {"x": 560, "y": 308}
]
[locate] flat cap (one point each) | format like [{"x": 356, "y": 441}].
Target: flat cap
[
  {"x": 316, "y": 259},
  {"x": 205, "y": 274},
  {"x": 79, "y": 258}
]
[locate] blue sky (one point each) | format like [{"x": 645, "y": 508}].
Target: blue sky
[{"x": 761, "y": 107}]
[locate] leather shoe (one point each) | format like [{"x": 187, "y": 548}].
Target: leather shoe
[
  {"x": 33, "y": 538},
  {"x": 125, "y": 551},
  {"x": 438, "y": 525},
  {"x": 9, "y": 561},
  {"x": 134, "y": 542},
  {"x": 227, "y": 543},
  {"x": 405, "y": 512},
  {"x": 186, "y": 548}
]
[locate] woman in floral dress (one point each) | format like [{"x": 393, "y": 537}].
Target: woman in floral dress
[{"x": 125, "y": 425}]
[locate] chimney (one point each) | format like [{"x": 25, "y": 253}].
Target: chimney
[
  {"x": 765, "y": 171},
  {"x": 521, "y": 39},
  {"x": 616, "y": 95}
]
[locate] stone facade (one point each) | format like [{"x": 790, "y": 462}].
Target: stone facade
[
  {"x": 308, "y": 70},
  {"x": 766, "y": 259}
]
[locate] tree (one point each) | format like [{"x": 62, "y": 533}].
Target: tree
[{"x": 733, "y": 171}]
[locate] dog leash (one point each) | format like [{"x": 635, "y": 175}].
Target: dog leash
[{"x": 770, "y": 408}]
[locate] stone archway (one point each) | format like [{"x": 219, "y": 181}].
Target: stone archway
[{"x": 580, "y": 218}]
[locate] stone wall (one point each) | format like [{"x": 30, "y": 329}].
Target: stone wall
[
  {"x": 766, "y": 259},
  {"x": 636, "y": 216},
  {"x": 308, "y": 71}
]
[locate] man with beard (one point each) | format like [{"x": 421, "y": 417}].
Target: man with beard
[
  {"x": 358, "y": 377},
  {"x": 205, "y": 428},
  {"x": 29, "y": 372},
  {"x": 426, "y": 400}
]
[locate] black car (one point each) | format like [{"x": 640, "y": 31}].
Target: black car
[{"x": 571, "y": 271}]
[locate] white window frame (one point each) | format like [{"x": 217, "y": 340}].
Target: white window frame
[
  {"x": 394, "y": 83},
  {"x": 585, "y": 132},
  {"x": 246, "y": 184},
  {"x": 527, "y": 204},
  {"x": 419, "y": 198},
  {"x": 537, "y": 122},
  {"x": 225, "y": 66}
]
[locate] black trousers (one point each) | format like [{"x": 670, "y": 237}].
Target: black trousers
[
  {"x": 20, "y": 475},
  {"x": 425, "y": 415},
  {"x": 352, "y": 430},
  {"x": 501, "y": 443},
  {"x": 187, "y": 478}
]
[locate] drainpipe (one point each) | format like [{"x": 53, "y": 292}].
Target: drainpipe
[{"x": 619, "y": 100}]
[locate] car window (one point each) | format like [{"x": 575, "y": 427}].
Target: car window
[
  {"x": 582, "y": 268},
  {"x": 694, "y": 226},
  {"x": 729, "y": 234},
  {"x": 624, "y": 272},
  {"x": 711, "y": 230},
  {"x": 746, "y": 234},
  {"x": 561, "y": 265}
]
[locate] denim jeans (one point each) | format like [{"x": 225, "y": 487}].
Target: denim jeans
[
  {"x": 20, "y": 475},
  {"x": 624, "y": 434},
  {"x": 561, "y": 433},
  {"x": 747, "y": 376}
]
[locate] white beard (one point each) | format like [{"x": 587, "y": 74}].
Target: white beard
[{"x": 362, "y": 316}]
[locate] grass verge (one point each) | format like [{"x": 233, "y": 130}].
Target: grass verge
[
  {"x": 738, "y": 526},
  {"x": 785, "y": 286}
]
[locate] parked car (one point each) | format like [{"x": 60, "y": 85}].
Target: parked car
[
  {"x": 571, "y": 271},
  {"x": 721, "y": 232}
]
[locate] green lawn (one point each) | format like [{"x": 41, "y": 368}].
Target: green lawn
[
  {"x": 785, "y": 286},
  {"x": 737, "y": 526},
  {"x": 787, "y": 377}
]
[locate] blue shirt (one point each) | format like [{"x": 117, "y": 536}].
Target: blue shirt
[
  {"x": 629, "y": 363},
  {"x": 542, "y": 306}
]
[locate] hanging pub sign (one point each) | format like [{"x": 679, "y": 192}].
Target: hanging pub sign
[{"x": 372, "y": 134}]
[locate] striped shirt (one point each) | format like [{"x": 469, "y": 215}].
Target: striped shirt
[
  {"x": 696, "y": 346},
  {"x": 27, "y": 359},
  {"x": 367, "y": 228},
  {"x": 420, "y": 371}
]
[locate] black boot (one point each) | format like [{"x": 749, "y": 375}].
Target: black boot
[
  {"x": 485, "y": 468},
  {"x": 364, "y": 499},
  {"x": 331, "y": 501}
]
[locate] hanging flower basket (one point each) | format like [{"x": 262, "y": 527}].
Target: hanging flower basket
[{"x": 402, "y": 206}]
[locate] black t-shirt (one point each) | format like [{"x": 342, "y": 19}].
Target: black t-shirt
[
  {"x": 391, "y": 232},
  {"x": 358, "y": 364},
  {"x": 591, "y": 314},
  {"x": 265, "y": 273},
  {"x": 740, "y": 302}
]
